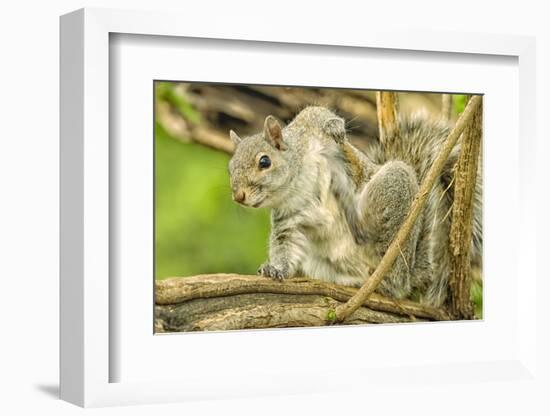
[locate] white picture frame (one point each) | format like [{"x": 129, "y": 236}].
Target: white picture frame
[{"x": 87, "y": 308}]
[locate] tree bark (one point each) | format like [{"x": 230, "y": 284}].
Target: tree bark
[
  {"x": 387, "y": 107},
  {"x": 466, "y": 168},
  {"x": 446, "y": 106},
  {"x": 230, "y": 301}
]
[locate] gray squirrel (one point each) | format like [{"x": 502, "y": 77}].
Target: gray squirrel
[{"x": 336, "y": 209}]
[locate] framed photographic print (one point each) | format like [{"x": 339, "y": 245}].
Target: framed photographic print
[
  {"x": 381, "y": 159},
  {"x": 238, "y": 212}
]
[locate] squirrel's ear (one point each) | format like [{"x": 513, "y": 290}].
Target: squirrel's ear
[
  {"x": 274, "y": 133},
  {"x": 234, "y": 137},
  {"x": 335, "y": 128}
]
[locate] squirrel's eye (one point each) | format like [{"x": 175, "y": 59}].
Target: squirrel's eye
[{"x": 264, "y": 162}]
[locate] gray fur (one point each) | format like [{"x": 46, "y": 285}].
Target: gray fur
[{"x": 336, "y": 209}]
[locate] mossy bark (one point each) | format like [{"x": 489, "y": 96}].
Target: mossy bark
[{"x": 230, "y": 301}]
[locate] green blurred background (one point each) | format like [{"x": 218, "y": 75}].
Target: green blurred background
[{"x": 198, "y": 228}]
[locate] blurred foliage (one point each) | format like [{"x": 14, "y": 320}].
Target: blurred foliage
[
  {"x": 198, "y": 228},
  {"x": 477, "y": 298},
  {"x": 166, "y": 91},
  {"x": 459, "y": 102}
]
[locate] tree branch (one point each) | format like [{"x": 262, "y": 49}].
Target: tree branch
[
  {"x": 345, "y": 310},
  {"x": 446, "y": 106},
  {"x": 185, "y": 131},
  {"x": 213, "y": 139},
  {"x": 460, "y": 239},
  {"x": 231, "y": 301},
  {"x": 387, "y": 107}
]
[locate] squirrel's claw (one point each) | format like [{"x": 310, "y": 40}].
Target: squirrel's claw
[{"x": 268, "y": 270}]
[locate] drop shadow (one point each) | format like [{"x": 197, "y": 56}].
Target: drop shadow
[{"x": 51, "y": 390}]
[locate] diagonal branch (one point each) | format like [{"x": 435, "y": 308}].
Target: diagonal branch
[{"x": 345, "y": 310}]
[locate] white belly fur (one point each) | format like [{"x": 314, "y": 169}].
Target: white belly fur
[{"x": 331, "y": 253}]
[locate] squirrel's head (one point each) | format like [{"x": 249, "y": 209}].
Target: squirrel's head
[{"x": 259, "y": 169}]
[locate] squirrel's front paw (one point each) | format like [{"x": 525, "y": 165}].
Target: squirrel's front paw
[{"x": 268, "y": 270}]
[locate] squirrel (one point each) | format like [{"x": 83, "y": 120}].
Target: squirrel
[{"x": 335, "y": 209}]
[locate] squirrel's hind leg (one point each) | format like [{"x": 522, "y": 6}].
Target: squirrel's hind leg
[{"x": 383, "y": 205}]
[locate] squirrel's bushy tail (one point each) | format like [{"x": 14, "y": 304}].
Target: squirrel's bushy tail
[{"x": 418, "y": 144}]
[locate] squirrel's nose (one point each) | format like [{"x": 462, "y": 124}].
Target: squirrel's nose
[{"x": 239, "y": 196}]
